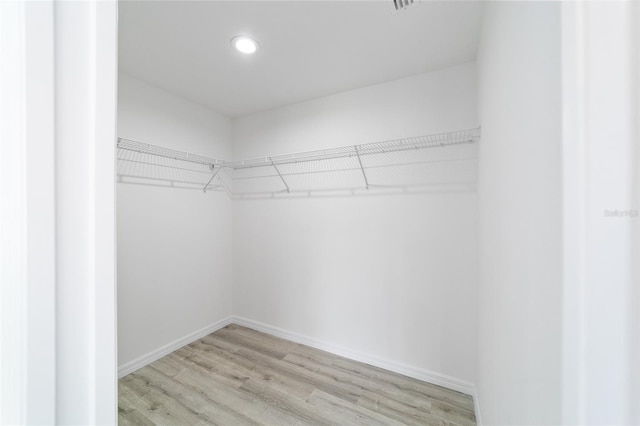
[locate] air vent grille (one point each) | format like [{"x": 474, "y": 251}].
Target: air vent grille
[{"x": 402, "y": 4}]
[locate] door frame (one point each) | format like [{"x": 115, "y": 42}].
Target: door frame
[{"x": 58, "y": 77}]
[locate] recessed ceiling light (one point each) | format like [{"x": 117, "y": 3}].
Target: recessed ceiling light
[{"x": 244, "y": 44}]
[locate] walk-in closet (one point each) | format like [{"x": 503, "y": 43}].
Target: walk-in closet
[
  {"x": 340, "y": 212},
  {"x": 319, "y": 212}
]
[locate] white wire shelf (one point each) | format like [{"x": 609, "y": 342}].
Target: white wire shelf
[
  {"x": 159, "y": 151},
  {"x": 146, "y": 164},
  {"x": 413, "y": 143},
  {"x": 400, "y": 164}
]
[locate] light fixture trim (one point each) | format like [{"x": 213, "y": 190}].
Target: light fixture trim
[{"x": 245, "y": 44}]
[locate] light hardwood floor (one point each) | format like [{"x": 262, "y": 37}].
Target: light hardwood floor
[{"x": 239, "y": 376}]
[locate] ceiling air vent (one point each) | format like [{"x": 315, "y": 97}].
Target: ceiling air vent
[{"x": 402, "y": 4}]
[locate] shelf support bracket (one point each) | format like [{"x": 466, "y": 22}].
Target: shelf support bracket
[
  {"x": 364, "y": 175},
  {"x": 279, "y": 174},
  {"x": 224, "y": 186},
  {"x": 215, "y": 173}
]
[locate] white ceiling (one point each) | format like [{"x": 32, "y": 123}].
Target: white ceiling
[{"x": 308, "y": 49}]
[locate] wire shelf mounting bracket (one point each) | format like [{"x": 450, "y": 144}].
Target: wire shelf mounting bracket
[
  {"x": 364, "y": 175},
  {"x": 279, "y": 174},
  {"x": 224, "y": 186},
  {"x": 215, "y": 171}
]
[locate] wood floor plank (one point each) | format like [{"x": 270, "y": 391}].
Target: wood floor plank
[
  {"x": 208, "y": 346},
  {"x": 314, "y": 354},
  {"x": 342, "y": 390},
  {"x": 239, "y": 376},
  {"x": 231, "y": 396},
  {"x": 454, "y": 414},
  {"x": 348, "y": 412},
  {"x": 209, "y": 410},
  {"x": 132, "y": 418},
  {"x": 169, "y": 366},
  {"x": 394, "y": 409},
  {"x": 162, "y": 409},
  {"x": 418, "y": 402},
  {"x": 233, "y": 337},
  {"x": 405, "y": 384},
  {"x": 296, "y": 407},
  {"x": 262, "y": 375},
  {"x": 129, "y": 400},
  {"x": 231, "y": 377},
  {"x": 296, "y": 373}
]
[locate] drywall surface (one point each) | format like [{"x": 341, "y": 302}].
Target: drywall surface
[
  {"x": 520, "y": 217},
  {"x": 392, "y": 276},
  {"x": 174, "y": 245}
]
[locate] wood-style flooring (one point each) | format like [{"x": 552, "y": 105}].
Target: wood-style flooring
[{"x": 238, "y": 376}]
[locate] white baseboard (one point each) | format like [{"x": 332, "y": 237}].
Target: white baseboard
[
  {"x": 397, "y": 367},
  {"x": 146, "y": 359}
]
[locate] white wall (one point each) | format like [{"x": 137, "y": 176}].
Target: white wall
[
  {"x": 520, "y": 218},
  {"x": 390, "y": 276},
  {"x": 174, "y": 245}
]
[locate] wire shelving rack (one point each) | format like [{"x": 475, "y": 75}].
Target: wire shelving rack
[
  {"x": 143, "y": 163},
  {"x": 399, "y": 164}
]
